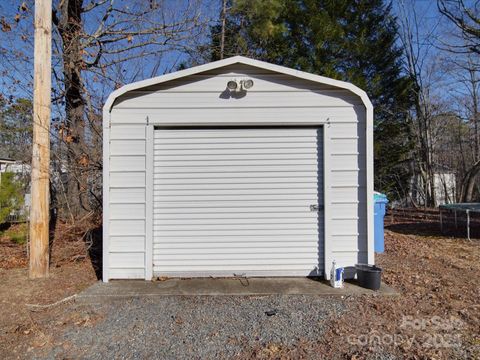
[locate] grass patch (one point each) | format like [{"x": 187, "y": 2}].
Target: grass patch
[
  {"x": 16, "y": 233},
  {"x": 19, "y": 238}
]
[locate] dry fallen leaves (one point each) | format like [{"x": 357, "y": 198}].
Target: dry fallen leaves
[{"x": 5, "y": 25}]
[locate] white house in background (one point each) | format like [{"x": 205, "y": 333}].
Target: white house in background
[
  {"x": 14, "y": 166},
  {"x": 445, "y": 187},
  {"x": 236, "y": 167},
  {"x": 4, "y": 162}
]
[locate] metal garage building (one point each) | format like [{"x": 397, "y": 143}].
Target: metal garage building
[{"x": 236, "y": 167}]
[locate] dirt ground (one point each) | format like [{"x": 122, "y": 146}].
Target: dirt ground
[
  {"x": 70, "y": 272},
  {"x": 435, "y": 316}
]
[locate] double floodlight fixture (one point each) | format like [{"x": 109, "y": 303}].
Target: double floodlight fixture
[{"x": 239, "y": 85}]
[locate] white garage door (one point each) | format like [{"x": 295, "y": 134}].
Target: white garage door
[{"x": 238, "y": 202}]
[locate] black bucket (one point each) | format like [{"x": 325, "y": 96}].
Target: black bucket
[{"x": 369, "y": 276}]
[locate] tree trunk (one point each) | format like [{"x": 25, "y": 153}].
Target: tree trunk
[
  {"x": 474, "y": 82},
  {"x": 70, "y": 29},
  {"x": 468, "y": 183},
  {"x": 425, "y": 152},
  {"x": 222, "y": 36}
]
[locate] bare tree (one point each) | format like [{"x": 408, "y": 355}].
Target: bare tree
[
  {"x": 466, "y": 17},
  {"x": 464, "y": 49},
  {"x": 223, "y": 16},
  {"x": 416, "y": 55},
  {"x": 98, "y": 45},
  {"x": 93, "y": 41},
  {"x": 468, "y": 77}
]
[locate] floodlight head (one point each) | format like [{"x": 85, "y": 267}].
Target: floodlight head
[
  {"x": 232, "y": 85},
  {"x": 247, "y": 84}
]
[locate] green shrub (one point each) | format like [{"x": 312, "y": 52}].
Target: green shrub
[
  {"x": 11, "y": 195},
  {"x": 16, "y": 233}
]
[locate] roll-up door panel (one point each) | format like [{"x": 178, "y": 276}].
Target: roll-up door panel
[{"x": 238, "y": 202}]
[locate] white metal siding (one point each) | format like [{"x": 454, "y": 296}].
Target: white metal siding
[
  {"x": 237, "y": 201},
  {"x": 127, "y": 212},
  {"x": 276, "y": 99}
]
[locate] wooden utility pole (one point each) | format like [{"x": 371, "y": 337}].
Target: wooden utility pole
[{"x": 39, "y": 212}]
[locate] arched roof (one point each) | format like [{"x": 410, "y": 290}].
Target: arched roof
[{"x": 245, "y": 61}]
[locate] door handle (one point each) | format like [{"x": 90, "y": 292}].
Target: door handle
[{"x": 316, "y": 207}]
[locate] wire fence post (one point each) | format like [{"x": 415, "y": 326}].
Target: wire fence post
[
  {"x": 468, "y": 225},
  {"x": 441, "y": 220}
]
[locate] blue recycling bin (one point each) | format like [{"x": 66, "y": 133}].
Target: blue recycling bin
[{"x": 380, "y": 202}]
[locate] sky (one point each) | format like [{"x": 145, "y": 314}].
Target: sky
[
  {"x": 442, "y": 77},
  {"x": 16, "y": 44},
  {"x": 16, "y": 75}
]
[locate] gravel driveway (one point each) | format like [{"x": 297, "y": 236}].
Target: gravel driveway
[{"x": 194, "y": 327}]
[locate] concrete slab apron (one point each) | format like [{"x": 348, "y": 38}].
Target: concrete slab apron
[{"x": 222, "y": 286}]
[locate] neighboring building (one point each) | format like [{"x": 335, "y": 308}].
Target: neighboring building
[
  {"x": 14, "y": 166},
  {"x": 445, "y": 187},
  {"x": 4, "y": 162},
  {"x": 237, "y": 167}
]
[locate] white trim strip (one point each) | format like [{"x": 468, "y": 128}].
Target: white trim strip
[
  {"x": 106, "y": 196},
  {"x": 149, "y": 204}
]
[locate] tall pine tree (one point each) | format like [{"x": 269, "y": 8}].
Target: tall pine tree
[{"x": 351, "y": 40}]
